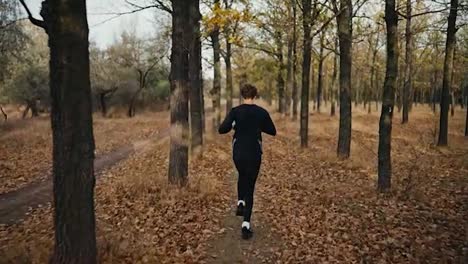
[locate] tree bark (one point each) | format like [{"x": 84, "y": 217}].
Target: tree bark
[
  {"x": 279, "y": 77},
  {"x": 294, "y": 63},
  {"x": 289, "y": 72},
  {"x": 345, "y": 40},
  {"x": 5, "y": 116},
  {"x": 466, "y": 122},
  {"x": 216, "y": 91},
  {"x": 334, "y": 81},
  {"x": 195, "y": 73},
  {"x": 229, "y": 85},
  {"x": 408, "y": 84},
  {"x": 103, "y": 97},
  {"x": 447, "y": 79},
  {"x": 388, "y": 100},
  {"x": 26, "y": 111},
  {"x": 307, "y": 50},
  {"x": 320, "y": 72},
  {"x": 179, "y": 78},
  {"x": 65, "y": 22}
]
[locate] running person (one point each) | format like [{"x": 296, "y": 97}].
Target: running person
[{"x": 249, "y": 121}]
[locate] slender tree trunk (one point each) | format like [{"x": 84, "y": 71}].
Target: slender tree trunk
[
  {"x": 34, "y": 108},
  {"x": 279, "y": 78},
  {"x": 102, "y": 100},
  {"x": 229, "y": 85},
  {"x": 179, "y": 77},
  {"x": 5, "y": 116},
  {"x": 407, "y": 86},
  {"x": 307, "y": 50},
  {"x": 289, "y": 73},
  {"x": 66, "y": 24},
  {"x": 195, "y": 75},
  {"x": 216, "y": 91},
  {"x": 294, "y": 63},
  {"x": 334, "y": 80},
  {"x": 131, "y": 106},
  {"x": 320, "y": 72},
  {"x": 373, "y": 82},
  {"x": 447, "y": 79},
  {"x": 345, "y": 39},
  {"x": 26, "y": 111},
  {"x": 385, "y": 124},
  {"x": 466, "y": 121}
]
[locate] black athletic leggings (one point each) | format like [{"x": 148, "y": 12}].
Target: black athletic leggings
[{"x": 248, "y": 169}]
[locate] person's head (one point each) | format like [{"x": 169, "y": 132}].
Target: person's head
[{"x": 249, "y": 91}]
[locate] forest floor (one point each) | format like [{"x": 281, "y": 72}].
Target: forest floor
[{"x": 310, "y": 207}]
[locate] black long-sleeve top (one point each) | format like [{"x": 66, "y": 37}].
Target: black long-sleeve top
[{"x": 248, "y": 121}]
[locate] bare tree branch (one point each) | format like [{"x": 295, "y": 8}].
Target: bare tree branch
[{"x": 37, "y": 22}]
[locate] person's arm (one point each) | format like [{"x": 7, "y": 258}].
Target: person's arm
[
  {"x": 226, "y": 126},
  {"x": 268, "y": 126}
]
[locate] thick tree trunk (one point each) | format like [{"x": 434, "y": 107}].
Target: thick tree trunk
[
  {"x": 447, "y": 79},
  {"x": 307, "y": 50},
  {"x": 195, "y": 73},
  {"x": 294, "y": 63},
  {"x": 345, "y": 39},
  {"x": 66, "y": 24},
  {"x": 408, "y": 85},
  {"x": 179, "y": 78},
  {"x": 229, "y": 90},
  {"x": 385, "y": 124},
  {"x": 216, "y": 91}
]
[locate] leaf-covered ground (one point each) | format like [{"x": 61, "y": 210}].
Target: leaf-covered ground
[
  {"x": 26, "y": 145},
  {"x": 315, "y": 208}
]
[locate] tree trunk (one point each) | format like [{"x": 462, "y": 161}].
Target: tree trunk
[
  {"x": 34, "y": 108},
  {"x": 66, "y": 24},
  {"x": 229, "y": 85},
  {"x": 385, "y": 124},
  {"x": 447, "y": 79},
  {"x": 466, "y": 122},
  {"x": 195, "y": 73},
  {"x": 5, "y": 116},
  {"x": 216, "y": 91},
  {"x": 131, "y": 106},
  {"x": 307, "y": 50},
  {"x": 334, "y": 81},
  {"x": 373, "y": 85},
  {"x": 102, "y": 100},
  {"x": 345, "y": 39},
  {"x": 279, "y": 78},
  {"x": 407, "y": 86},
  {"x": 289, "y": 72},
  {"x": 320, "y": 72},
  {"x": 179, "y": 78},
  {"x": 26, "y": 111},
  {"x": 294, "y": 63}
]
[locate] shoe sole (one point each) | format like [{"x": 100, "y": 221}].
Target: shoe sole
[{"x": 246, "y": 234}]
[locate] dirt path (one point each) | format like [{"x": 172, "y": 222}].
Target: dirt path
[
  {"x": 229, "y": 247},
  {"x": 16, "y": 204}
]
